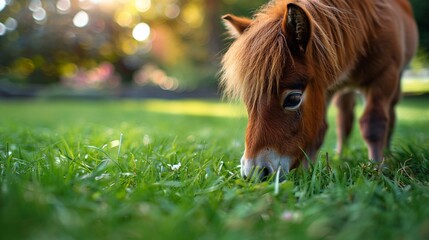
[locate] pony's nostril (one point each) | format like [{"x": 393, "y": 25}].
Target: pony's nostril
[
  {"x": 265, "y": 173},
  {"x": 245, "y": 177},
  {"x": 258, "y": 173}
]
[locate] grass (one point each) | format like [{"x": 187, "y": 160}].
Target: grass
[
  {"x": 415, "y": 85},
  {"x": 169, "y": 170}
]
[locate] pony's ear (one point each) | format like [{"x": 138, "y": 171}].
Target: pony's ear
[
  {"x": 236, "y": 25},
  {"x": 296, "y": 26}
]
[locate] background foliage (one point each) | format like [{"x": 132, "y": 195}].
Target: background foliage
[{"x": 83, "y": 43}]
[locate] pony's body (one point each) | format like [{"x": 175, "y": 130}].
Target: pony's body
[{"x": 289, "y": 60}]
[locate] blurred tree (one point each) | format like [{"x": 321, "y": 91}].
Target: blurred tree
[
  {"x": 46, "y": 41},
  {"x": 421, "y": 9}
]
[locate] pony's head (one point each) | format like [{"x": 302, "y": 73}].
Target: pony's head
[{"x": 272, "y": 68}]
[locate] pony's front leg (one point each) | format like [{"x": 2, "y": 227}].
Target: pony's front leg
[{"x": 345, "y": 103}]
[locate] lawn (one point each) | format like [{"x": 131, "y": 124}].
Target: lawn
[{"x": 170, "y": 170}]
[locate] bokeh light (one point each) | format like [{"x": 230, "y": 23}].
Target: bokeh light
[
  {"x": 143, "y": 5},
  {"x": 63, "y": 6},
  {"x": 129, "y": 34},
  {"x": 141, "y": 32},
  {"x": 172, "y": 11},
  {"x": 85, "y": 4},
  {"x": 68, "y": 69},
  {"x": 81, "y": 19},
  {"x": 23, "y": 66},
  {"x": 39, "y": 15},
  {"x": 34, "y": 5},
  {"x": 11, "y": 24},
  {"x": 192, "y": 14},
  {"x": 128, "y": 46},
  {"x": 2, "y": 29},
  {"x": 101, "y": 76},
  {"x": 2, "y": 4},
  {"x": 151, "y": 75},
  {"x": 123, "y": 18}
]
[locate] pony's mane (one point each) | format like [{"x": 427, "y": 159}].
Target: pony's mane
[{"x": 256, "y": 61}]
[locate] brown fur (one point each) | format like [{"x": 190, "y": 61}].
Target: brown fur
[{"x": 363, "y": 44}]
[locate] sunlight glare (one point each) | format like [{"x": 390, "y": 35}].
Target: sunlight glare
[
  {"x": 81, "y": 19},
  {"x": 141, "y": 32},
  {"x": 196, "y": 108}
]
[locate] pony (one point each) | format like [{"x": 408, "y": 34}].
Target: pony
[{"x": 294, "y": 56}]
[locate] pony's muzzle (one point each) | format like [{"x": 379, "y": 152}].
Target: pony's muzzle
[{"x": 264, "y": 165}]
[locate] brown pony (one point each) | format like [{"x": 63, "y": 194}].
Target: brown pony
[{"x": 290, "y": 59}]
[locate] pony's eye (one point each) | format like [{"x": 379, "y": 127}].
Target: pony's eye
[{"x": 292, "y": 100}]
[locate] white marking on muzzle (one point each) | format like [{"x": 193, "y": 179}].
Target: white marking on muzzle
[{"x": 267, "y": 159}]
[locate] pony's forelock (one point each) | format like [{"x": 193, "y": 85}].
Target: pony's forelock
[{"x": 255, "y": 61}]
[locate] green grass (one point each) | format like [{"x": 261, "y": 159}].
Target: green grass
[{"x": 169, "y": 170}]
